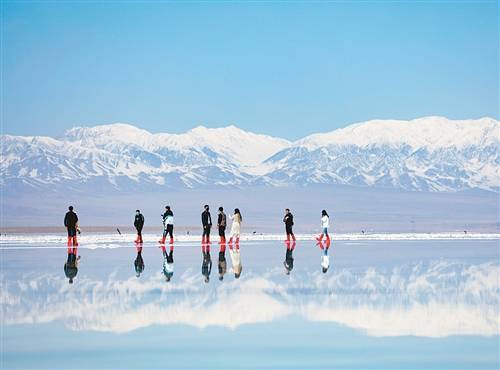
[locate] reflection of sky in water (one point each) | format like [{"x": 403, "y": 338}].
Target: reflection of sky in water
[{"x": 401, "y": 304}]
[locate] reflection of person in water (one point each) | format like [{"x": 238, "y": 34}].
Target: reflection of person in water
[
  {"x": 168, "y": 262},
  {"x": 71, "y": 265},
  {"x": 325, "y": 259},
  {"x": 288, "y": 263},
  {"x": 206, "y": 267},
  {"x": 222, "y": 265},
  {"x": 236, "y": 260},
  {"x": 139, "y": 262}
]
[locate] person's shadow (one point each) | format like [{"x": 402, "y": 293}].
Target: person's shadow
[{"x": 72, "y": 263}]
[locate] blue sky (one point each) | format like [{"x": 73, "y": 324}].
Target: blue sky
[{"x": 286, "y": 69}]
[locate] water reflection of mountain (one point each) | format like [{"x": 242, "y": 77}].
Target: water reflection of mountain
[{"x": 437, "y": 298}]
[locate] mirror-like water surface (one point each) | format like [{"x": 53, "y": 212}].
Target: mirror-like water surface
[{"x": 381, "y": 304}]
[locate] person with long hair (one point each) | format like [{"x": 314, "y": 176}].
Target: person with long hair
[
  {"x": 325, "y": 223},
  {"x": 324, "y": 246},
  {"x": 235, "y": 228}
]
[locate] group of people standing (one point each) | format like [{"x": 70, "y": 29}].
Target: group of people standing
[
  {"x": 71, "y": 223},
  {"x": 206, "y": 220}
]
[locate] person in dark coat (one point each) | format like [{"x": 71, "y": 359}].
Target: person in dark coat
[
  {"x": 71, "y": 224},
  {"x": 206, "y": 221},
  {"x": 288, "y": 220},
  {"x": 221, "y": 224},
  {"x": 139, "y": 224}
]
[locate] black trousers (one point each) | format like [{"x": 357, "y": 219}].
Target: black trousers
[
  {"x": 169, "y": 231},
  {"x": 206, "y": 230},
  {"x": 71, "y": 231},
  {"x": 222, "y": 231},
  {"x": 288, "y": 230},
  {"x": 139, "y": 231}
]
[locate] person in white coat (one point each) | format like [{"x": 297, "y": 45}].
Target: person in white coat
[
  {"x": 235, "y": 234},
  {"x": 325, "y": 223},
  {"x": 235, "y": 228}
]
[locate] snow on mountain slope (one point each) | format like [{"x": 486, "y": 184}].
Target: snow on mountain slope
[
  {"x": 241, "y": 147},
  {"x": 429, "y": 132},
  {"x": 431, "y": 153}
]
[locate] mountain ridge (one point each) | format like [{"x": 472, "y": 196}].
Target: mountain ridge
[{"x": 429, "y": 153}]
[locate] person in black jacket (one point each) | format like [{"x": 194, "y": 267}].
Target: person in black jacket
[
  {"x": 71, "y": 223},
  {"x": 206, "y": 221},
  {"x": 221, "y": 224},
  {"x": 139, "y": 224},
  {"x": 288, "y": 220}
]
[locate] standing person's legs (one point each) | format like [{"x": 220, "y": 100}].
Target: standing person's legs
[
  {"x": 289, "y": 233},
  {"x": 139, "y": 234},
  {"x": 208, "y": 234},
  {"x": 222, "y": 234},
  {"x": 72, "y": 236},
  {"x": 164, "y": 236},
  {"x": 204, "y": 235},
  {"x": 170, "y": 231}
]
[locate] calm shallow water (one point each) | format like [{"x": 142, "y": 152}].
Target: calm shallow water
[{"x": 382, "y": 304}]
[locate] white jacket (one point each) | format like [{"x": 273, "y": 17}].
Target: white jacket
[
  {"x": 325, "y": 221},
  {"x": 235, "y": 226},
  {"x": 169, "y": 220}
]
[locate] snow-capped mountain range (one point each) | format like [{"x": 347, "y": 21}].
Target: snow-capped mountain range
[{"x": 431, "y": 153}]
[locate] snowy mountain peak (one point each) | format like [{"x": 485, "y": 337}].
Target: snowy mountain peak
[
  {"x": 430, "y": 153},
  {"x": 102, "y": 134},
  {"x": 430, "y": 133}
]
